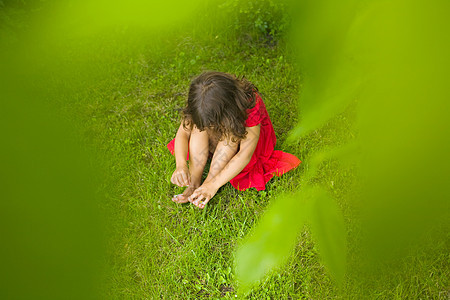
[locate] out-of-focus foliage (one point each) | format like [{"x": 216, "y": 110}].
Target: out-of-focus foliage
[
  {"x": 325, "y": 52},
  {"x": 328, "y": 228},
  {"x": 403, "y": 121},
  {"x": 391, "y": 58},
  {"x": 51, "y": 228},
  {"x": 272, "y": 240}
]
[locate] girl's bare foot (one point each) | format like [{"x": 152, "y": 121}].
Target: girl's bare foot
[{"x": 183, "y": 198}]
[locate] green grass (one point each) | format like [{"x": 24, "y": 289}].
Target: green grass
[{"x": 161, "y": 250}]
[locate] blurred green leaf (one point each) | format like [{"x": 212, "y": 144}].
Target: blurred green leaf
[
  {"x": 271, "y": 241},
  {"x": 320, "y": 32},
  {"x": 328, "y": 229},
  {"x": 274, "y": 237}
]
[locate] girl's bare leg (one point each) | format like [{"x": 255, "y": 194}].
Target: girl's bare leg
[
  {"x": 224, "y": 152},
  {"x": 198, "y": 155}
]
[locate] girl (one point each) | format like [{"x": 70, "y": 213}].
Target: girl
[{"x": 225, "y": 118}]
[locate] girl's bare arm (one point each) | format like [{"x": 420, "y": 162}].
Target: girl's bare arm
[
  {"x": 180, "y": 176},
  {"x": 239, "y": 161}
]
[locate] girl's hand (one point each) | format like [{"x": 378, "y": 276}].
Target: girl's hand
[
  {"x": 201, "y": 196},
  {"x": 181, "y": 176}
]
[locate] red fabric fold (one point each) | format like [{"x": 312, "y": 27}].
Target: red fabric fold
[{"x": 258, "y": 174}]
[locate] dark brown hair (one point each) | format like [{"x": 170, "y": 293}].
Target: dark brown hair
[{"x": 219, "y": 101}]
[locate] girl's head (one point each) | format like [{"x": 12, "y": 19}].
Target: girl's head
[{"x": 219, "y": 101}]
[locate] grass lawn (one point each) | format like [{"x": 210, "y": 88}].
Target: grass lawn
[{"x": 158, "y": 249}]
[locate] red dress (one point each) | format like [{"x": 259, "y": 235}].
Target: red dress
[{"x": 265, "y": 162}]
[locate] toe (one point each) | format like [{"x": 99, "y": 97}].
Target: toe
[
  {"x": 199, "y": 202},
  {"x": 179, "y": 198},
  {"x": 203, "y": 203}
]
